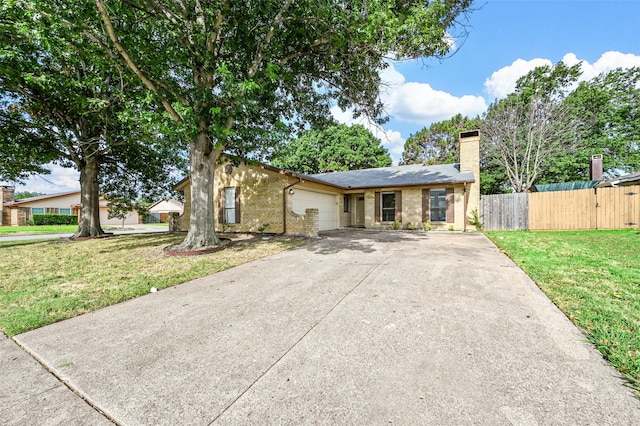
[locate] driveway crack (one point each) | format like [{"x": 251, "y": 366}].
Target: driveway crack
[{"x": 305, "y": 334}]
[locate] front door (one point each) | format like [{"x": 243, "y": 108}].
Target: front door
[{"x": 359, "y": 211}]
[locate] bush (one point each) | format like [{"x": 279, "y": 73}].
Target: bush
[
  {"x": 397, "y": 225},
  {"x": 409, "y": 226},
  {"x": 474, "y": 219},
  {"x": 427, "y": 226},
  {"x": 54, "y": 219}
]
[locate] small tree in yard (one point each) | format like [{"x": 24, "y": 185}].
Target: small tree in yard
[
  {"x": 119, "y": 209},
  {"x": 239, "y": 76}
]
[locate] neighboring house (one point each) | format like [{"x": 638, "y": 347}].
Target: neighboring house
[
  {"x": 250, "y": 196},
  {"x": 161, "y": 209},
  {"x": 626, "y": 180},
  {"x": 16, "y": 213}
]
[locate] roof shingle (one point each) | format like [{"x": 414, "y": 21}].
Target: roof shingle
[{"x": 411, "y": 175}]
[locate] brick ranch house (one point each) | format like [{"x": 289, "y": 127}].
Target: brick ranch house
[
  {"x": 18, "y": 213},
  {"x": 249, "y": 196}
]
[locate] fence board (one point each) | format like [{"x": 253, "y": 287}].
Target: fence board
[
  {"x": 599, "y": 208},
  {"x": 504, "y": 211},
  {"x": 562, "y": 210},
  {"x": 619, "y": 207}
]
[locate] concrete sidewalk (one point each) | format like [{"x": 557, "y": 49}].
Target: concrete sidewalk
[{"x": 356, "y": 328}]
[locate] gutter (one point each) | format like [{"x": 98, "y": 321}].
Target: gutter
[
  {"x": 466, "y": 202},
  {"x": 284, "y": 204}
]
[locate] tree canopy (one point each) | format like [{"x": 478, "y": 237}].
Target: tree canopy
[
  {"x": 547, "y": 130},
  {"x": 63, "y": 101},
  {"x": 335, "y": 148},
  {"x": 522, "y": 132},
  {"x": 438, "y": 144},
  {"x": 240, "y": 75}
]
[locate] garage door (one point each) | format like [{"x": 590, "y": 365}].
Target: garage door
[
  {"x": 325, "y": 203},
  {"x": 132, "y": 218}
]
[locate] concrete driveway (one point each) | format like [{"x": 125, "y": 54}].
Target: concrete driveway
[{"x": 355, "y": 328}]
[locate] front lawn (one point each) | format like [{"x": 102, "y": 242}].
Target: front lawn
[
  {"x": 46, "y": 281},
  {"x": 38, "y": 229},
  {"x": 594, "y": 278}
]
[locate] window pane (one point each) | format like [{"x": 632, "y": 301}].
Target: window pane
[
  {"x": 37, "y": 210},
  {"x": 229, "y": 198},
  {"x": 438, "y": 205},
  {"x": 388, "y": 201},
  {"x": 65, "y": 211},
  {"x": 388, "y": 207},
  {"x": 230, "y": 215},
  {"x": 230, "y": 205}
]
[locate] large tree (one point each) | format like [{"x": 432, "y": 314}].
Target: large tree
[
  {"x": 610, "y": 104},
  {"x": 336, "y": 148},
  {"x": 238, "y": 74},
  {"x": 62, "y": 100},
  {"x": 439, "y": 143},
  {"x": 530, "y": 126}
]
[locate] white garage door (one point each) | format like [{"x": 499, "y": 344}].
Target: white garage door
[
  {"x": 325, "y": 203},
  {"x": 132, "y": 218}
]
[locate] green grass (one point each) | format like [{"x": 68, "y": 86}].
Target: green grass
[
  {"x": 40, "y": 229},
  {"x": 594, "y": 278},
  {"x": 46, "y": 281}
]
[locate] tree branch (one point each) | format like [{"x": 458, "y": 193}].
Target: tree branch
[
  {"x": 257, "y": 59},
  {"x": 130, "y": 63},
  {"x": 215, "y": 34}
]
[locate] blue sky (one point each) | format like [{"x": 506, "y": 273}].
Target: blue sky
[{"x": 506, "y": 39}]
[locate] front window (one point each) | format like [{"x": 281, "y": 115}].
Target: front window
[
  {"x": 65, "y": 211},
  {"x": 388, "y": 206},
  {"x": 347, "y": 203},
  {"x": 230, "y": 205},
  {"x": 438, "y": 205},
  {"x": 37, "y": 210}
]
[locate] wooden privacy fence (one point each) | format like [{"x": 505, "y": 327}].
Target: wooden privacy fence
[
  {"x": 596, "y": 208},
  {"x": 501, "y": 212}
]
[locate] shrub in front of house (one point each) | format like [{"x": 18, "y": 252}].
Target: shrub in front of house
[{"x": 54, "y": 219}]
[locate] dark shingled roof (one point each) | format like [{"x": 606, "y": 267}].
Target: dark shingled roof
[{"x": 412, "y": 175}]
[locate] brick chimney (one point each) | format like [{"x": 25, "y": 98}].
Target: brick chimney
[
  {"x": 470, "y": 162},
  {"x": 595, "y": 167},
  {"x": 6, "y": 196}
]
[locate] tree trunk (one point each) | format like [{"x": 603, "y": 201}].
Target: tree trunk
[
  {"x": 201, "y": 233},
  {"x": 89, "y": 221}
]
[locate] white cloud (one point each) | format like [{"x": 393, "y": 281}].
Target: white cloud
[
  {"x": 61, "y": 179},
  {"x": 503, "y": 81},
  {"x": 607, "y": 62},
  {"x": 412, "y": 102},
  {"x": 421, "y": 104}
]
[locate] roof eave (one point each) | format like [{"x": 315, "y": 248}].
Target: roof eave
[{"x": 411, "y": 185}]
